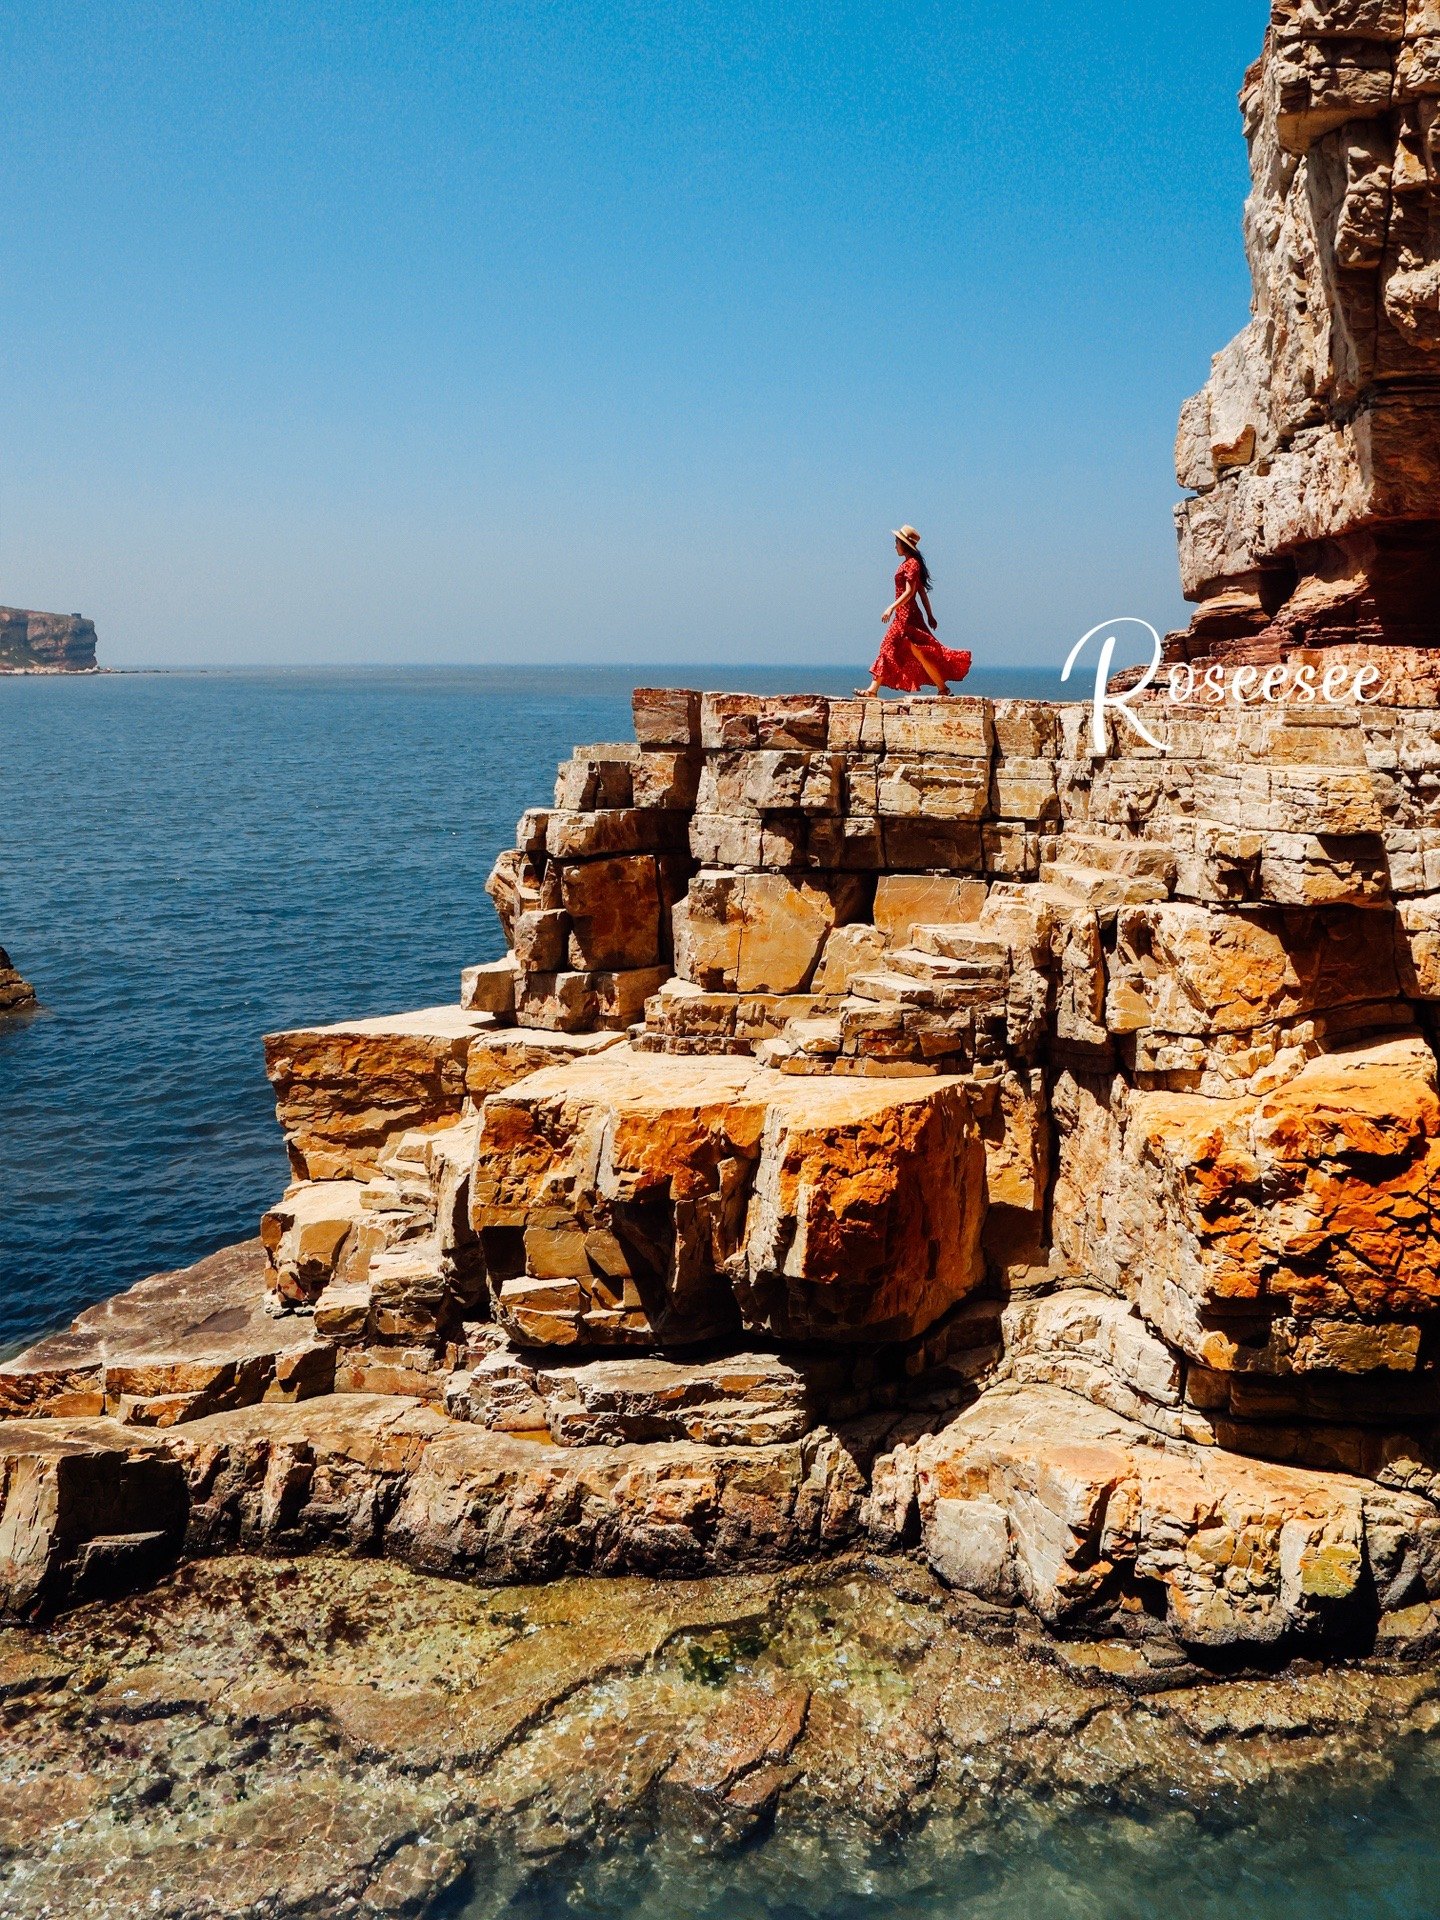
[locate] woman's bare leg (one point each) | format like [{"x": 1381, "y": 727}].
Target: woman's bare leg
[
  {"x": 928, "y": 667},
  {"x": 872, "y": 692}
]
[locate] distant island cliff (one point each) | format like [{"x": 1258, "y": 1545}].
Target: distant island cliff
[{"x": 45, "y": 642}]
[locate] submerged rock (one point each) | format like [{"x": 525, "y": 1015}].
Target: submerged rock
[{"x": 347, "y": 1738}]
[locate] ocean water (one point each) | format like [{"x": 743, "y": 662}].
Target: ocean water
[{"x": 189, "y": 861}]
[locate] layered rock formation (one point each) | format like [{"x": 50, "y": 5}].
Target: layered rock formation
[
  {"x": 16, "y": 993},
  {"x": 1313, "y": 453},
  {"x": 888, "y": 1122},
  {"x": 45, "y": 642},
  {"x": 905, "y": 1122}
]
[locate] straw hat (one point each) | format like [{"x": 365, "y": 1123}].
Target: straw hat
[{"x": 908, "y": 535}]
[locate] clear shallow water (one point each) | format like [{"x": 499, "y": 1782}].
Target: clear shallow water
[
  {"x": 190, "y": 860},
  {"x": 1330, "y": 1847}
]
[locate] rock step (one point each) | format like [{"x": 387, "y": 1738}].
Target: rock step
[
  {"x": 1100, "y": 889},
  {"x": 962, "y": 941},
  {"x": 982, "y": 968},
  {"x": 1143, "y": 859},
  {"x": 908, "y": 990}
]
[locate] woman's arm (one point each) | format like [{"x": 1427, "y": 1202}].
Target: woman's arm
[
  {"x": 895, "y": 605},
  {"x": 925, "y": 605}
]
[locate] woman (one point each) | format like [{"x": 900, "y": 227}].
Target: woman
[{"x": 910, "y": 655}]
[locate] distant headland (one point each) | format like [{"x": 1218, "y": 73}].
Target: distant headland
[{"x": 46, "y": 642}]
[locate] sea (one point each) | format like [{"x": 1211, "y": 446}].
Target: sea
[{"x": 191, "y": 860}]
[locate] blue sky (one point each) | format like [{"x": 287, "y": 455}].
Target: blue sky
[{"x": 558, "y": 330}]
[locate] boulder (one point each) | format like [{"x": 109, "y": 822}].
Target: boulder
[
  {"x": 16, "y": 994},
  {"x": 1291, "y": 1232},
  {"x": 1037, "y": 1496},
  {"x": 88, "y": 1508},
  {"x": 646, "y": 1199}
]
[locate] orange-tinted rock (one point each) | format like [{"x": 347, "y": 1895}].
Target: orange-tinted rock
[
  {"x": 342, "y": 1091},
  {"x": 1297, "y": 1230},
  {"x": 635, "y": 1199}
]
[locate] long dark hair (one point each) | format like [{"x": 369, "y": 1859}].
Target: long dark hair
[{"x": 915, "y": 554}]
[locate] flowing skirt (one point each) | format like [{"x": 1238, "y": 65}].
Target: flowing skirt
[{"x": 895, "y": 667}]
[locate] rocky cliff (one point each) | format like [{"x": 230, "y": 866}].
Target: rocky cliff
[
  {"x": 890, "y": 1122},
  {"x": 905, "y": 1124},
  {"x": 1313, "y": 454},
  {"x": 45, "y": 642}
]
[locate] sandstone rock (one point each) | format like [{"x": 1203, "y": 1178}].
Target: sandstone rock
[
  {"x": 342, "y": 1091},
  {"x": 1292, "y": 1232},
  {"x": 741, "y": 1400},
  {"x": 758, "y": 932},
  {"x": 176, "y": 1347},
  {"x": 16, "y": 995},
  {"x": 498, "y": 1058},
  {"x": 869, "y": 1201},
  {"x": 614, "y": 909},
  {"x": 731, "y": 720},
  {"x": 634, "y": 1200},
  {"x": 1033, "y": 1494},
  {"x": 596, "y": 777},
  {"x": 1099, "y": 1348},
  {"x": 1314, "y": 450},
  {"x": 490, "y": 989},
  {"x": 904, "y": 901},
  {"x": 87, "y": 1508},
  {"x": 666, "y": 717},
  {"x": 383, "y": 1475},
  {"x": 1189, "y": 969},
  {"x": 602, "y": 835},
  {"x": 580, "y": 1003},
  {"x": 609, "y": 1196}
]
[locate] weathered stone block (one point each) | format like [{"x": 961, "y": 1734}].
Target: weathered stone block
[
  {"x": 955, "y": 727},
  {"x": 581, "y": 1002},
  {"x": 175, "y": 1347},
  {"x": 1075, "y": 1506},
  {"x": 1190, "y": 969},
  {"x": 614, "y": 913},
  {"x": 88, "y": 1509},
  {"x": 869, "y": 1202},
  {"x": 490, "y": 988},
  {"x": 758, "y": 933},
  {"x": 666, "y": 777},
  {"x": 596, "y": 777},
  {"x": 1293, "y": 1232},
  {"x": 666, "y": 716},
  {"x": 342, "y": 1091},
  {"x": 933, "y": 787}
]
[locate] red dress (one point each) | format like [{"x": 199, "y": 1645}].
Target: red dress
[{"x": 894, "y": 667}]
